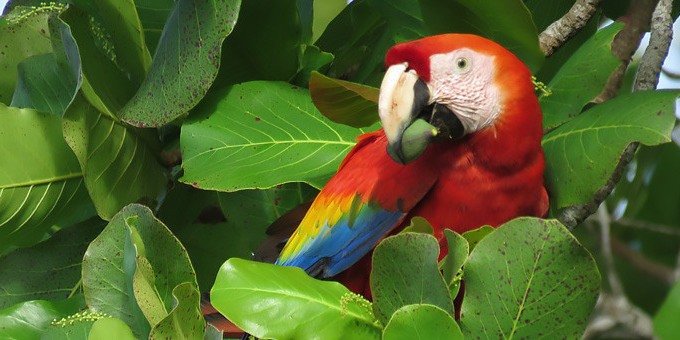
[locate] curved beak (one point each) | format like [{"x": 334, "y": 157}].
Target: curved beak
[{"x": 410, "y": 119}]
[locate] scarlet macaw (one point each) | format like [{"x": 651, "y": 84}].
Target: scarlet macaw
[{"x": 460, "y": 146}]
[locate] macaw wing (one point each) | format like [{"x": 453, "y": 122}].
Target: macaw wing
[
  {"x": 336, "y": 233},
  {"x": 368, "y": 197}
]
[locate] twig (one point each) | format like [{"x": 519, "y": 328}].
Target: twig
[
  {"x": 625, "y": 43},
  {"x": 565, "y": 27},
  {"x": 645, "y": 225},
  {"x": 640, "y": 262},
  {"x": 647, "y": 76},
  {"x": 605, "y": 238}
]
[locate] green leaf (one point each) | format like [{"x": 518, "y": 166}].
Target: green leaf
[
  {"x": 418, "y": 225},
  {"x": 260, "y": 134},
  {"x": 529, "y": 278},
  {"x": 324, "y": 12},
  {"x": 582, "y": 153},
  {"x": 212, "y": 333},
  {"x": 459, "y": 249},
  {"x": 104, "y": 85},
  {"x": 405, "y": 272},
  {"x": 144, "y": 289},
  {"x": 49, "y": 82},
  {"x": 545, "y": 13},
  {"x": 270, "y": 301},
  {"x": 185, "y": 64},
  {"x": 110, "y": 328},
  {"x": 185, "y": 320},
  {"x": 119, "y": 165},
  {"x": 474, "y": 236},
  {"x": 54, "y": 263},
  {"x": 28, "y": 320},
  {"x": 110, "y": 263},
  {"x": 344, "y": 102},
  {"x": 403, "y": 17},
  {"x": 153, "y": 15},
  {"x": 507, "y": 22},
  {"x": 358, "y": 38},
  {"x": 580, "y": 79},
  {"x": 23, "y": 33},
  {"x": 666, "y": 324},
  {"x": 76, "y": 330},
  {"x": 259, "y": 51},
  {"x": 313, "y": 60},
  {"x": 40, "y": 179},
  {"x": 421, "y": 321},
  {"x": 120, "y": 22}
]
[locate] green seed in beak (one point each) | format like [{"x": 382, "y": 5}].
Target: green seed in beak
[{"x": 414, "y": 141}]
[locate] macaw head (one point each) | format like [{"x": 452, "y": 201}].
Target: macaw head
[{"x": 446, "y": 87}]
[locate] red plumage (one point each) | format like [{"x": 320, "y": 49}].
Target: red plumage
[{"x": 488, "y": 177}]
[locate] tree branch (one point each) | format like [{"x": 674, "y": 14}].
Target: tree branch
[
  {"x": 645, "y": 225},
  {"x": 647, "y": 76},
  {"x": 640, "y": 262},
  {"x": 605, "y": 239},
  {"x": 565, "y": 27},
  {"x": 638, "y": 17}
]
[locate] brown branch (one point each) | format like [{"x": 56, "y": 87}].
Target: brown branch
[
  {"x": 637, "y": 19},
  {"x": 565, "y": 27},
  {"x": 625, "y": 44},
  {"x": 647, "y": 76}
]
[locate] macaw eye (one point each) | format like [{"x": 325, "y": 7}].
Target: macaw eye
[{"x": 462, "y": 64}]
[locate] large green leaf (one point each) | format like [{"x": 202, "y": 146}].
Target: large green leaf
[
  {"x": 22, "y": 34},
  {"x": 54, "y": 266},
  {"x": 110, "y": 328},
  {"x": 185, "y": 320},
  {"x": 104, "y": 84},
  {"x": 403, "y": 17},
  {"x": 120, "y": 23},
  {"x": 41, "y": 183},
  {"x": 28, "y": 320},
  {"x": 49, "y": 82},
  {"x": 153, "y": 14},
  {"x": 421, "y": 321},
  {"x": 580, "y": 79},
  {"x": 118, "y": 162},
  {"x": 507, "y": 22},
  {"x": 267, "y": 42},
  {"x": 358, "y": 38},
  {"x": 452, "y": 264},
  {"x": 582, "y": 153},
  {"x": 260, "y": 134},
  {"x": 185, "y": 64},
  {"x": 405, "y": 272},
  {"x": 110, "y": 263},
  {"x": 529, "y": 278},
  {"x": 344, "y": 102},
  {"x": 545, "y": 13},
  {"x": 666, "y": 324},
  {"x": 271, "y": 301},
  {"x": 324, "y": 11}
]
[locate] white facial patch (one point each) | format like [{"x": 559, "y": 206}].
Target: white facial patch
[{"x": 463, "y": 81}]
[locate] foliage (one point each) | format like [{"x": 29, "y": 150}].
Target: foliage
[{"x": 146, "y": 142}]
